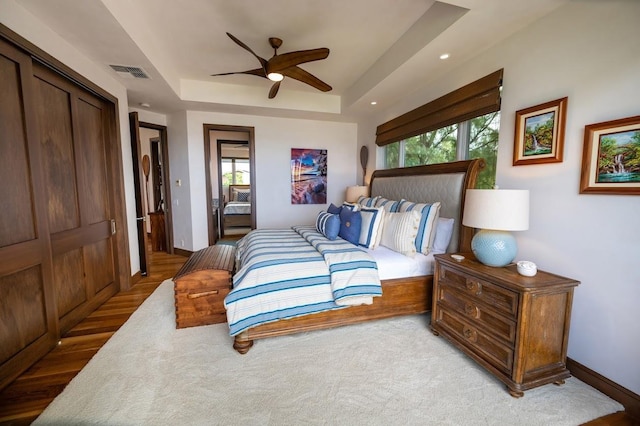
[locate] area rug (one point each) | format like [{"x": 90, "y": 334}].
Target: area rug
[{"x": 388, "y": 372}]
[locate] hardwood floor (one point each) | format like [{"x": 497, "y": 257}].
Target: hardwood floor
[{"x": 22, "y": 401}]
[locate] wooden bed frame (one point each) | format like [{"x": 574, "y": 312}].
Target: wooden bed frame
[
  {"x": 243, "y": 220},
  {"x": 402, "y": 296}
]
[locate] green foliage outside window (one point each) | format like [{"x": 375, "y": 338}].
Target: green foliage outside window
[
  {"x": 483, "y": 143},
  {"x": 440, "y": 146},
  {"x": 227, "y": 179}
]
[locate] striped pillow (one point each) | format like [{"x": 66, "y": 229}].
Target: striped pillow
[
  {"x": 328, "y": 225},
  {"x": 390, "y": 206},
  {"x": 367, "y": 201},
  {"x": 399, "y": 232},
  {"x": 371, "y": 227},
  {"x": 426, "y": 229}
]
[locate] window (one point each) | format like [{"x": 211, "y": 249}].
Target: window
[
  {"x": 475, "y": 138},
  {"x": 235, "y": 171},
  {"x": 460, "y": 125}
]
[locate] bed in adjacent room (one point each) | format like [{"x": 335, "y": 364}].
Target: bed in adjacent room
[
  {"x": 304, "y": 278},
  {"x": 237, "y": 211}
]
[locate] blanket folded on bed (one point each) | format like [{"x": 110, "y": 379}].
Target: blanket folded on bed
[
  {"x": 293, "y": 272},
  {"x": 354, "y": 273}
]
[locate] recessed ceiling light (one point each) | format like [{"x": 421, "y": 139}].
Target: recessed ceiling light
[
  {"x": 374, "y": 103},
  {"x": 444, "y": 56},
  {"x": 145, "y": 105}
]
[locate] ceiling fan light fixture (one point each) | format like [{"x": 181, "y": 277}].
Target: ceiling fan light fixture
[{"x": 275, "y": 76}]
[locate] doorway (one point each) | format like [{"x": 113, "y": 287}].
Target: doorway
[
  {"x": 153, "y": 198},
  {"x": 230, "y": 180}
]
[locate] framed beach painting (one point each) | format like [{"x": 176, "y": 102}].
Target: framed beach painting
[
  {"x": 611, "y": 157},
  {"x": 539, "y": 133},
  {"x": 308, "y": 176}
]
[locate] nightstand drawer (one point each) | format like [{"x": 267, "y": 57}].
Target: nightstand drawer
[
  {"x": 491, "y": 350},
  {"x": 501, "y": 299},
  {"x": 474, "y": 311}
]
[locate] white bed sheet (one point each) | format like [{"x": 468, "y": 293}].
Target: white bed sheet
[
  {"x": 237, "y": 207},
  {"x": 392, "y": 264}
]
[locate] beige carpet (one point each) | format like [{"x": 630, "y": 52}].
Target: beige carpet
[{"x": 390, "y": 372}]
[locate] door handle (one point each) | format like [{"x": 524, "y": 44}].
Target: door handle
[{"x": 142, "y": 218}]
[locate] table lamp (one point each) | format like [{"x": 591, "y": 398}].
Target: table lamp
[
  {"x": 354, "y": 192},
  {"x": 496, "y": 212}
]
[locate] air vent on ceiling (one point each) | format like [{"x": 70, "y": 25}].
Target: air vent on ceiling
[{"x": 129, "y": 72}]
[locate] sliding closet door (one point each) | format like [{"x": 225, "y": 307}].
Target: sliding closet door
[
  {"x": 28, "y": 327},
  {"x": 74, "y": 158}
]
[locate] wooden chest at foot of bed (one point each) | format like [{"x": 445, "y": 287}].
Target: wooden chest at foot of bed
[{"x": 201, "y": 286}]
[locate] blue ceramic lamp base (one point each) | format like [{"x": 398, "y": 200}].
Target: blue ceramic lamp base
[{"x": 494, "y": 248}]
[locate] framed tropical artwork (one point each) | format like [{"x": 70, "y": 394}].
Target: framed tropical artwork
[
  {"x": 611, "y": 157},
  {"x": 308, "y": 176},
  {"x": 539, "y": 133}
]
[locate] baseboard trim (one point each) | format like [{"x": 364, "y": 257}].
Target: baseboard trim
[
  {"x": 136, "y": 277},
  {"x": 624, "y": 396},
  {"x": 182, "y": 252}
]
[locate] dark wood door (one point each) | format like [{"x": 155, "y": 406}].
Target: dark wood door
[
  {"x": 70, "y": 122},
  {"x": 62, "y": 251},
  {"x": 28, "y": 321}
]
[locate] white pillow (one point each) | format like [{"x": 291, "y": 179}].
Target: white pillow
[
  {"x": 371, "y": 230},
  {"x": 426, "y": 229},
  {"x": 399, "y": 232},
  {"x": 444, "y": 231}
]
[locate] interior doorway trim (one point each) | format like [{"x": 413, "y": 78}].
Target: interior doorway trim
[
  {"x": 207, "y": 162},
  {"x": 168, "y": 214}
]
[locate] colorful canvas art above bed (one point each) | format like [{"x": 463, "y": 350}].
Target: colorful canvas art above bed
[{"x": 308, "y": 176}]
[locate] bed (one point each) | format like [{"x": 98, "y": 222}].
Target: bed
[
  {"x": 237, "y": 211},
  {"x": 444, "y": 183}
]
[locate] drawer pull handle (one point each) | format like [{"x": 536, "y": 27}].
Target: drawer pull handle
[
  {"x": 470, "y": 333},
  {"x": 471, "y": 310},
  {"x": 203, "y": 294},
  {"x": 474, "y": 287}
]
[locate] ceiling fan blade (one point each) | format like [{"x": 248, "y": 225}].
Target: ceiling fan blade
[
  {"x": 263, "y": 61},
  {"x": 258, "y": 71},
  {"x": 299, "y": 74},
  {"x": 280, "y": 62},
  {"x": 274, "y": 89}
]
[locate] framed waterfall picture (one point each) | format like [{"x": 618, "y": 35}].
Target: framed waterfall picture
[
  {"x": 539, "y": 133},
  {"x": 611, "y": 157},
  {"x": 308, "y": 176}
]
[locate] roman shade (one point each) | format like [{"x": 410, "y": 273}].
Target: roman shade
[{"x": 473, "y": 100}]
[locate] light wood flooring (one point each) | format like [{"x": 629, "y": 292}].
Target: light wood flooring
[{"x": 23, "y": 400}]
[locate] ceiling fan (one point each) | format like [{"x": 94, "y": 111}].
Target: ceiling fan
[{"x": 284, "y": 65}]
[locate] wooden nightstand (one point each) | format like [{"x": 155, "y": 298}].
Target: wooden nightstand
[{"x": 514, "y": 326}]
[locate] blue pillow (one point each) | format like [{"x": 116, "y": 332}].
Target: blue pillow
[
  {"x": 333, "y": 209},
  {"x": 350, "y": 224},
  {"x": 328, "y": 225}
]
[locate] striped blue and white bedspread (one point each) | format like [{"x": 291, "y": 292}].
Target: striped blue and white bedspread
[{"x": 284, "y": 273}]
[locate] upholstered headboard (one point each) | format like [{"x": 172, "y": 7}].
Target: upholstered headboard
[
  {"x": 445, "y": 182},
  {"x": 236, "y": 187}
]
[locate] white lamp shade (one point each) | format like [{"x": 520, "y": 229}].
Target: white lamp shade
[
  {"x": 354, "y": 192},
  {"x": 498, "y": 209}
]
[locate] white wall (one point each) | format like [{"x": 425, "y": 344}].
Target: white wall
[
  {"x": 179, "y": 179},
  {"x": 26, "y": 25},
  {"x": 588, "y": 51},
  {"x": 274, "y": 138}
]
